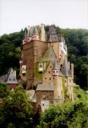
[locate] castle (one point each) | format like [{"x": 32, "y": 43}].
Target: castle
[{"x": 44, "y": 67}]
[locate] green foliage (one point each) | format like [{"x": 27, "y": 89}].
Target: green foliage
[
  {"x": 3, "y": 90},
  {"x": 16, "y": 111},
  {"x": 10, "y": 50},
  {"x": 82, "y": 71},
  {"x": 77, "y": 41},
  {"x": 80, "y": 94},
  {"x": 67, "y": 115}
]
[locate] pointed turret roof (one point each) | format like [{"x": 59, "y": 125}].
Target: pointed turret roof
[
  {"x": 12, "y": 77},
  {"x": 53, "y": 36}
]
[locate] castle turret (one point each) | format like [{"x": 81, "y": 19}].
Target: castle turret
[
  {"x": 58, "y": 87},
  {"x": 12, "y": 81},
  {"x": 35, "y": 35},
  {"x": 33, "y": 49},
  {"x": 43, "y": 35},
  {"x": 53, "y": 37},
  {"x": 28, "y": 30}
]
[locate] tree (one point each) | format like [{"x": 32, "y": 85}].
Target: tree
[
  {"x": 77, "y": 41},
  {"x": 10, "y": 51},
  {"x": 4, "y": 91},
  {"x": 16, "y": 111},
  {"x": 81, "y": 69},
  {"x": 67, "y": 115}
]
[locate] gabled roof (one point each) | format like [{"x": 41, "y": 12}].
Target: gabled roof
[
  {"x": 44, "y": 87},
  {"x": 12, "y": 77},
  {"x": 49, "y": 55}
]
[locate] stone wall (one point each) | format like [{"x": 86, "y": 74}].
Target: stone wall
[
  {"x": 28, "y": 59},
  {"x": 39, "y": 49},
  {"x": 58, "y": 88},
  {"x": 48, "y": 95},
  {"x": 31, "y": 52},
  {"x": 47, "y": 76}
]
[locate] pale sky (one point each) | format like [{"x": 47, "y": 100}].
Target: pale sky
[{"x": 17, "y": 14}]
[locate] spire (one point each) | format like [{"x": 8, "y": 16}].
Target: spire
[
  {"x": 35, "y": 34},
  {"x": 43, "y": 36},
  {"x": 28, "y": 30},
  {"x": 12, "y": 77},
  {"x": 31, "y": 31},
  {"x": 36, "y": 31},
  {"x": 53, "y": 37}
]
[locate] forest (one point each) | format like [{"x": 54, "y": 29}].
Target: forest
[{"x": 76, "y": 40}]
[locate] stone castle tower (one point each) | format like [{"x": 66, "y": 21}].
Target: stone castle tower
[
  {"x": 34, "y": 46},
  {"x": 44, "y": 66}
]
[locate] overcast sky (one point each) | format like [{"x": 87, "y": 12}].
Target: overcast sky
[{"x": 17, "y": 14}]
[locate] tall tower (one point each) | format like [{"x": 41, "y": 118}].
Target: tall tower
[
  {"x": 34, "y": 47},
  {"x": 43, "y": 34}
]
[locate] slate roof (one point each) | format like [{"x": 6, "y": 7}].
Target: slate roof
[
  {"x": 9, "y": 78},
  {"x": 65, "y": 69},
  {"x": 53, "y": 36},
  {"x": 12, "y": 77},
  {"x": 44, "y": 87},
  {"x": 49, "y": 55}
]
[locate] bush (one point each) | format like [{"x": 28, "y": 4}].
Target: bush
[{"x": 67, "y": 115}]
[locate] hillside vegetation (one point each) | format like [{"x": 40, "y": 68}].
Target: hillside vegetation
[
  {"x": 77, "y": 42},
  {"x": 16, "y": 111}
]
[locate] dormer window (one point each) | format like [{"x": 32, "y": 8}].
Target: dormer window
[
  {"x": 55, "y": 72},
  {"x": 23, "y": 74},
  {"x": 23, "y": 69},
  {"x": 40, "y": 67},
  {"x": 9, "y": 79},
  {"x": 14, "y": 79}
]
